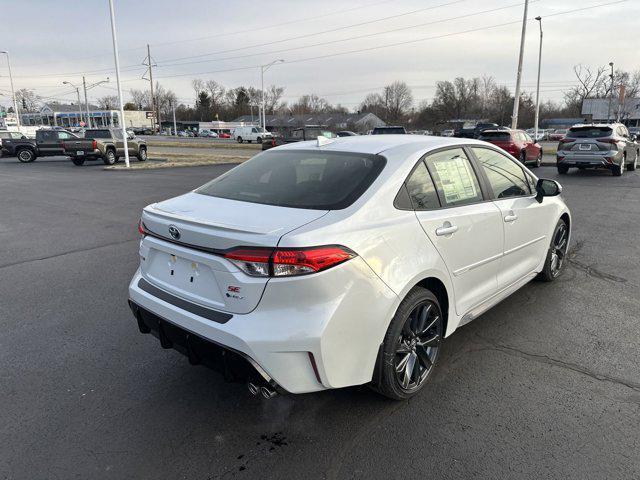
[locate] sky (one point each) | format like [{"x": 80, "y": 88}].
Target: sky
[{"x": 336, "y": 49}]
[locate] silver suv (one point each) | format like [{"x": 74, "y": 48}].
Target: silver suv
[{"x": 608, "y": 146}]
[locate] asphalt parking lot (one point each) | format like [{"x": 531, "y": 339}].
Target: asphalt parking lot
[{"x": 545, "y": 385}]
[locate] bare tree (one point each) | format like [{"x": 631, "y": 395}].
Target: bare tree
[
  {"x": 310, "y": 104},
  {"x": 216, "y": 95},
  {"x": 398, "y": 99},
  {"x": 272, "y": 97},
  {"x": 108, "y": 102},
  {"x": 141, "y": 98},
  {"x": 591, "y": 84},
  {"x": 27, "y": 99}
]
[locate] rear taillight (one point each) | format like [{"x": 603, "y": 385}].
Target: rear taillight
[
  {"x": 566, "y": 140},
  {"x": 273, "y": 142},
  {"x": 287, "y": 262},
  {"x": 94, "y": 145},
  {"x": 612, "y": 141},
  {"x": 141, "y": 230}
]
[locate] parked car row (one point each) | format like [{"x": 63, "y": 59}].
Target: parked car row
[{"x": 106, "y": 144}]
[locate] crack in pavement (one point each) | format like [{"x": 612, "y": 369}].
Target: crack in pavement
[
  {"x": 540, "y": 358},
  {"x": 71, "y": 252}
]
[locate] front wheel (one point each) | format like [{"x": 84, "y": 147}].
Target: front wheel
[
  {"x": 411, "y": 346},
  {"x": 562, "y": 169},
  {"x": 109, "y": 157},
  {"x": 259, "y": 140},
  {"x": 556, "y": 255},
  {"x": 632, "y": 166},
  {"x": 78, "y": 161}
]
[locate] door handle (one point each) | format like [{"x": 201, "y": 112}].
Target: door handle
[
  {"x": 511, "y": 217},
  {"x": 446, "y": 229}
]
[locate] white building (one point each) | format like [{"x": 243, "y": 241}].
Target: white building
[{"x": 605, "y": 110}]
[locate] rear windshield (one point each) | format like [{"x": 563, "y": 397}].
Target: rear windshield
[
  {"x": 299, "y": 179},
  {"x": 388, "y": 131},
  {"x": 97, "y": 134},
  {"x": 589, "y": 132},
  {"x": 496, "y": 136}
]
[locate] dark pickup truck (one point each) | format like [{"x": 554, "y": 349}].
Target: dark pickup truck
[
  {"x": 309, "y": 132},
  {"x": 48, "y": 143},
  {"x": 106, "y": 144}
]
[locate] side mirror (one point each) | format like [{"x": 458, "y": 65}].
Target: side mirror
[{"x": 547, "y": 188}]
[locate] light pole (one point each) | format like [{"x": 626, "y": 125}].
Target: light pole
[
  {"x": 86, "y": 101},
  {"x": 13, "y": 93},
  {"x": 116, "y": 59},
  {"x": 78, "y": 95},
  {"x": 516, "y": 101},
  {"x": 610, "y": 96},
  {"x": 264, "y": 68},
  {"x": 537, "y": 116}
]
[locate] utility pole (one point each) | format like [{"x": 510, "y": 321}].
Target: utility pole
[
  {"x": 610, "y": 96},
  {"x": 516, "y": 101},
  {"x": 13, "y": 93},
  {"x": 153, "y": 102},
  {"x": 116, "y": 59},
  {"x": 537, "y": 119},
  {"x": 175, "y": 126},
  {"x": 264, "y": 68},
  {"x": 86, "y": 102},
  {"x": 78, "y": 95}
]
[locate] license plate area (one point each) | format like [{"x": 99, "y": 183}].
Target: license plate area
[
  {"x": 80, "y": 152},
  {"x": 585, "y": 146}
]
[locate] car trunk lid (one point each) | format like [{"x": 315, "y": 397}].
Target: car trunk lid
[{"x": 188, "y": 235}]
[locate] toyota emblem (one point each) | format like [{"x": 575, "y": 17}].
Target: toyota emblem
[{"x": 174, "y": 232}]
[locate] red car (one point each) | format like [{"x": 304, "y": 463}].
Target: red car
[
  {"x": 558, "y": 135},
  {"x": 516, "y": 142},
  {"x": 224, "y": 135}
]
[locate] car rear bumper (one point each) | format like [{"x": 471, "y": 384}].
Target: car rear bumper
[
  {"x": 594, "y": 160},
  {"x": 307, "y": 334}
]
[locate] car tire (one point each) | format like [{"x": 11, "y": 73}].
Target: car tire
[
  {"x": 239, "y": 139},
  {"x": 618, "y": 170},
  {"x": 142, "y": 154},
  {"x": 556, "y": 254},
  {"x": 259, "y": 140},
  {"x": 78, "y": 161},
  {"x": 404, "y": 364},
  {"x": 632, "y": 166},
  {"x": 562, "y": 169},
  {"x": 523, "y": 157},
  {"x": 109, "y": 157},
  {"x": 538, "y": 161},
  {"x": 25, "y": 155}
]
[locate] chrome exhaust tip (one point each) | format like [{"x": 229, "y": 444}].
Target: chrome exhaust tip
[
  {"x": 268, "y": 392},
  {"x": 253, "y": 388}
]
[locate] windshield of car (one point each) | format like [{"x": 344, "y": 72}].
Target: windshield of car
[
  {"x": 91, "y": 134},
  {"x": 589, "y": 132},
  {"x": 299, "y": 179},
  {"x": 496, "y": 136},
  {"x": 388, "y": 131}
]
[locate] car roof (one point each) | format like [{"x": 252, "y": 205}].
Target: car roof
[
  {"x": 375, "y": 144},
  {"x": 595, "y": 125}
]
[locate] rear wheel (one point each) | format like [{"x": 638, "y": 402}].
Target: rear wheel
[
  {"x": 142, "y": 154},
  {"x": 109, "y": 157},
  {"x": 239, "y": 139},
  {"x": 538, "y": 160},
  {"x": 523, "y": 157},
  {"x": 618, "y": 170},
  {"x": 562, "y": 169},
  {"x": 557, "y": 253},
  {"x": 78, "y": 161},
  {"x": 25, "y": 155},
  {"x": 411, "y": 346},
  {"x": 632, "y": 166}
]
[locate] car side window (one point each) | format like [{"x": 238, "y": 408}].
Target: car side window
[
  {"x": 64, "y": 136},
  {"x": 528, "y": 138},
  {"x": 422, "y": 191},
  {"x": 48, "y": 136},
  {"x": 117, "y": 134},
  {"x": 507, "y": 179},
  {"x": 454, "y": 177}
]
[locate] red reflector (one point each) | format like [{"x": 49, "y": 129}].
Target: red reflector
[
  {"x": 141, "y": 229},
  {"x": 94, "y": 145}
]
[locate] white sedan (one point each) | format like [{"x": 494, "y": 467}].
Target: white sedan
[{"x": 345, "y": 261}]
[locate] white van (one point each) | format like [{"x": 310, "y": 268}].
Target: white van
[{"x": 250, "y": 134}]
